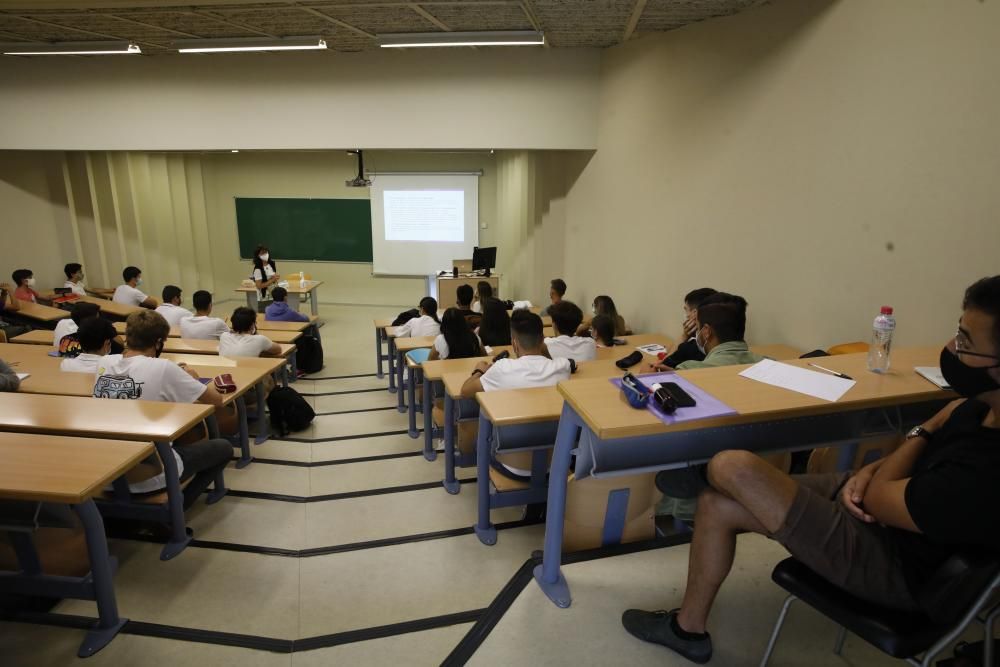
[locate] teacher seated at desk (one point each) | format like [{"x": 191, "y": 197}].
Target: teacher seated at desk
[{"x": 265, "y": 273}]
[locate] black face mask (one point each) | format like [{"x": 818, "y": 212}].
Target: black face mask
[{"x": 967, "y": 381}]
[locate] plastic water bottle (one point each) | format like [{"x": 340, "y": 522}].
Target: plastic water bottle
[
  {"x": 302, "y": 278},
  {"x": 882, "y": 329}
]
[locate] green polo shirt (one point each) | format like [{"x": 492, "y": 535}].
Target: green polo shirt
[{"x": 724, "y": 354}]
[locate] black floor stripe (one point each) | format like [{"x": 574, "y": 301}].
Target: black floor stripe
[
  {"x": 273, "y": 644},
  {"x": 341, "y": 393},
  {"x": 338, "y": 462},
  {"x": 340, "y": 496},
  {"x": 350, "y": 412},
  {"x": 340, "y": 438},
  {"x": 344, "y": 377},
  {"x": 355, "y": 546},
  {"x": 466, "y": 648}
]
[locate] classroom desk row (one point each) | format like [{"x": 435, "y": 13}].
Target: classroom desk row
[
  {"x": 45, "y": 337},
  {"x": 44, "y": 377},
  {"x": 297, "y": 290}
]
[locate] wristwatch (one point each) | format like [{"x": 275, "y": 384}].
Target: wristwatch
[
  {"x": 919, "y": 432},
  {"x": 477, "y": 371}
]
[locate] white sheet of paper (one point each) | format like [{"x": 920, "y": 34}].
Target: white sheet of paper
[
  {"x": 933, "y": 374},
  {"x": 812, "y": 383},
  {"x": 652, "y": 348},
  {"x": 23, "y": 376}
]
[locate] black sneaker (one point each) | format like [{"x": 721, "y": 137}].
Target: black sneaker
[
  {"x": 684, "y": 483},
  {"x": 657, "y": 627}
]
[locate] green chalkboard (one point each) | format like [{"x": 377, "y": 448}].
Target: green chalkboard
[{"x": 332, "y": 230}]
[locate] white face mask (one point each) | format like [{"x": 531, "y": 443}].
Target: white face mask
[
  {"x": 265, "y": 257},
  {"x": 594, "y": 310},
  {"x": 30, "y": 282},
  {"x": 138, "y": 282},
  {"x": 697, "y": 341}
]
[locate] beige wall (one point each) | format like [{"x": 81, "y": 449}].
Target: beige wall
[
  {"x": 778, "y": 153},
  {"x": 424, "y": 98}
]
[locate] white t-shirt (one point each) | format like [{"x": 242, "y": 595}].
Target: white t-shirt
[
  {"x": 64, "y": 327},
  {"x": 146, "y": 379},
  {"x": 128, "y": 295},
  {"x": 266, "y": 275},
  {"x": 84, "y": 363},
  {"x": 203, "y": 327},
  {"x": 243, "y": 345},
  {"x": 419, "y": 326},
  {"x": 76, "y": 287},
  {"x": 173, "y": 314},
  {"x": 477, "y": 307},
  {"x": 579, "y": 348}
]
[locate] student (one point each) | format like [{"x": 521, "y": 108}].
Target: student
[
  {"x": 244, "y": 341},
  {"x": 880, "y": 533},
  {"x": 8, "y": 378},
  {"x": 602, "y": 328},
  {"x": 265, "y": 272},
  {"x": 278, "y": 311},
  {"x": 566, "y": 318},
  {"x": 456, "y": 340},
  {"x": 463, "y": 297},
  {"x": 202, "y": 326},
  {"x": 10, "y": 304},
  {"x": 427, "y": 324},
  {"x": 484, "y": 292},
  {"x": 128, "y": 292},
  {"x": 557, "y": 290},
  {"x": 95, "y": 336},
  {"x": 688, "y": 350},
  {"x": 24, "y": 283},
  {"x": 171, "y": 307},
  {"x": 139, "y": 374},
  {"x": 494, "y": 329},
  {"x": 530, "y": 368},
  {"x": 74, "y": 278},
  {"x": 80, "y": 311},
  {"x": 604, "y": 305}
]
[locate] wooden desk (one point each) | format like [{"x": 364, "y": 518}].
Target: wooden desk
[
  {"x": 615, "y": 439},
  {"x": 175, "y": 332},
  {"x": 41, "y": 468},
  {"x": 45, "y": 315},
  {"x": 296, "y": 291},
  {"x": 112, "y": 309},
  {"x": 280, "y": 335},
  {"x": 265, "y": 324},
  {"x": 211, "y": 347},
  {"x": 100, "y": 292},
  {"x": 631, "y": 342},
  {"x": 777, "y": 351}
]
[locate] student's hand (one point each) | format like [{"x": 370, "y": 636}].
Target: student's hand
[
  {"x": 6, "y": 287},
  {"x": 852, "y": 496},
  {"x": 689, "y": 327},
  {"x": 661, "y": 368},
  {"x": 483, "y": 366},
  {"x": 190, "y": 371}
]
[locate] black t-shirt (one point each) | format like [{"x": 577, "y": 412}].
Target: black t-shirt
[
  {"x": 953, "y": 495},
  {"x": 686, "y": 351}
]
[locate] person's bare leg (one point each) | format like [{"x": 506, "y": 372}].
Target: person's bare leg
[{"x": 747, "y": 494}]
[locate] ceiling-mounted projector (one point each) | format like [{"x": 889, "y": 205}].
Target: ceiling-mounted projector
[{"x": 359, "y": 181}]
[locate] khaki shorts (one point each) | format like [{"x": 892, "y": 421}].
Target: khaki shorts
[{"x": 859, "y": 557}]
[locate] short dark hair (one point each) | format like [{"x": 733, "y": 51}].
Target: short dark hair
[
  {"x": 131, "y": 272},
  {"x": 696, "y": 297},
  {"x": 464, "y": 294},
  {"x": 726, "y": 314},
  {"x": 20, "y": 276},
  {"x": 94, "y": 332},
  {"x": 243, "y": 319},
  {"x": 485, "y": 290},
  {"x": 171, "y": 292},
  {"x": 984, "y": 296},
  {"x": 559, "y": 285},
  {"x": 82, "y": 310},
  {"x": 201, "y": 299},
  {"x": 527, "y": 328},
  {"x": 143, "y": 328},
  {"x": 279, "y": 294},
  {"x": 566, "y": 317},
  {"x": 71, "y": 268}
]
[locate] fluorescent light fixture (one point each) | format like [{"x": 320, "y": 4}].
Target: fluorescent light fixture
[
  {"x": 495, "y": 38},
  {"x": 236, "y": 45},
  {"x": 70, "y": 49}
]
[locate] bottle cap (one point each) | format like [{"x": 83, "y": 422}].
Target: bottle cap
[{"x": 887, "y": 310}]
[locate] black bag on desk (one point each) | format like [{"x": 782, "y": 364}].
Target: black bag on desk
[
  {"x": 405, "y": 317},
  {"x": 309, "y": 353},
  {"x": 289, "y": 411}
]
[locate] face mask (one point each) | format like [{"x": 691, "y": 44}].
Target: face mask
[
  {"x": 138, "y": 282},
  {"x": 594, "y": 311},
  {"x": 697, "y": 341},
  {"x": 968, "y": 381},
  {"x": 265, "y": 257},
  {"x": 30, "y": 282}
]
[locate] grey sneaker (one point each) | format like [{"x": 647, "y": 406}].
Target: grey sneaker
[{"x": 656, "y": 627}]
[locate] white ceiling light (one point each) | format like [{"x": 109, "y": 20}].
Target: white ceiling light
[
  {"x": 252, "y": 44},
  {"x": 70, "y": 49},
  {"x": 495, "y": 38}
]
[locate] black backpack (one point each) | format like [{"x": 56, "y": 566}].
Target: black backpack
[
  {"x": 309, "y": 353},
  {"x": 289, "y": 411},
  {"x": 405, "y": 317}
]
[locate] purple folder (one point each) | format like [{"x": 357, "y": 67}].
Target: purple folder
[{"x": 706, "y": 404}]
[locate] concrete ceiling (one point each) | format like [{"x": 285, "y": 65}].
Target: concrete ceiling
[{"x": 347, "y": 25}]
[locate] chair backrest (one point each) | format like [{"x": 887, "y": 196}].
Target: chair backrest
[
  {"x": 848, "y": 348},
  {"x": 957, "y": 584}
]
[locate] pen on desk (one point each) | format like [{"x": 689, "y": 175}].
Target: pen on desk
[{"x": 840, "y": 375}]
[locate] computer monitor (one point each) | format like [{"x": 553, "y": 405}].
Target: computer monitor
[{"x": 484, "y": 259}]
